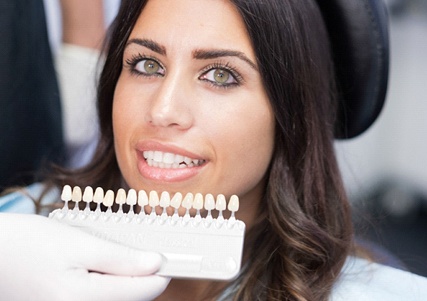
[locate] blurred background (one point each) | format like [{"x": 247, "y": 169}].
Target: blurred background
[{"x": 385, "y": 169}]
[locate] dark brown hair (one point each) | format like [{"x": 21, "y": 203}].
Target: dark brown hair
[{"x": 304, "y": 232}]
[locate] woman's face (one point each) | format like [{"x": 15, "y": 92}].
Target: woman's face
[{"x": 190, "y": 113}]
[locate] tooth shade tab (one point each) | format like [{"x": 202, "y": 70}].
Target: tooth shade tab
[
  {"x": 198, "y": 201},
  {"x": 233, "y": 204},
  {"x": 66, "y": 194},
  {"x": 184, "y": 241},
  {"x": 142, "y": 198},
  {"x": 131, "y": 198},
  {"x": 209, "y": 202},
  {"x": 108, "y": 198},
  {"x": 221, "y": 203},
  {"x": 98, "y": 196},
  {"x": 176, "y": 200},
  {"x": 187, "y": 202},
  {"x": 153, "y": 200},
  {"x": 193, "y": 203},
  {"x": 165, "y": 199},
  {"x": 88, "y": 194},
  {"x": 77, "y": 194},
  {"x": 121, "y": 197}
]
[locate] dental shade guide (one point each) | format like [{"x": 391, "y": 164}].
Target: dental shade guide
[{"x": 192, "y": 246}]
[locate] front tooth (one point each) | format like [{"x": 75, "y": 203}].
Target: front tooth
[
  {"x": 187, "y": 160},
  {"x": 158, "y": 156},
  {"x": 168, "y": 158},
  {"x": 233, "y": 203}
]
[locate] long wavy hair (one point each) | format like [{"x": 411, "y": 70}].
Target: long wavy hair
[{"x": 298, "y": 246}]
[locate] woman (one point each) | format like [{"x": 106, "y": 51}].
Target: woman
[
  {"x": 244, "y": 90},
  {"x": 192, "y": 84}
]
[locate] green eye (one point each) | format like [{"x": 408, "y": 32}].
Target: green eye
[
  {"x": 221, "y": 76},
  {"x": 151, "y": 67}
]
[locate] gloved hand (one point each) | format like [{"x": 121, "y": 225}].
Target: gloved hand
[{"x": 41, "y": 259}]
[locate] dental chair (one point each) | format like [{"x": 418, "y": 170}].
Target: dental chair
[
  {"x": 359, "y": 34},
  {"x": 358, "y": 31}
]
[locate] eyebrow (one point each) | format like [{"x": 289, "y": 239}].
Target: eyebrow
[
  {"x": 200, "y": 54},
  {"x": 150, "y": 44},
  {"x": 213, "y": 54}
]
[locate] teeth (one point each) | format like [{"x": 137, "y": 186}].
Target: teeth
[
  {"x": 169, "y": 160},
  {"x": 132, "y": 197}
]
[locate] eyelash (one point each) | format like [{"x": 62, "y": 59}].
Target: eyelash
[
  {"x": 135, "y": 59},
  {"x": 226, "y": 67}
]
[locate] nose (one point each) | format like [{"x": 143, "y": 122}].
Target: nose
[{"x": 170, "y": 106}]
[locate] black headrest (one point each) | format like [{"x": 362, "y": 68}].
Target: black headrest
[{"x": 358, "y": 30}]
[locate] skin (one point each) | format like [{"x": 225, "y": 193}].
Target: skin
[{"x": 170, "y": 98}]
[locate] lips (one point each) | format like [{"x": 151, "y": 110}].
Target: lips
[{"x": 161, "y": 162}]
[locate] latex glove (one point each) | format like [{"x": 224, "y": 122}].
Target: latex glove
[{"x": 41, "y": 259}]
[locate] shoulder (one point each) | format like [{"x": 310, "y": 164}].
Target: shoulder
[
  {"x": 364, "y": 280},
  {"x": 22, "y": 200}
]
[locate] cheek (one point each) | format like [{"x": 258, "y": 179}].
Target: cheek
[{"x": 245, "y": 146}]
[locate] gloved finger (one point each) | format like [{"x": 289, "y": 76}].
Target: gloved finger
[
  {"x": 115, "y": 259},
  {"x": 110, "y": 287}
]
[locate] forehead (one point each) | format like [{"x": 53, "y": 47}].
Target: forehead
[{"x": 193, "y": 23}]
